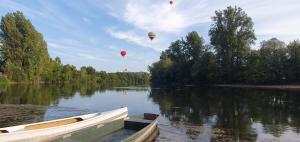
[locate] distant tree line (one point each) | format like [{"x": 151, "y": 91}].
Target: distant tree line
[
  {"x": 229, "y": 58},
  {"x": 24, "y": 58}
]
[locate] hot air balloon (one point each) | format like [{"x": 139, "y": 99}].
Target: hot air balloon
[
  {"x": 171, "y": 2},
  {"x": 151, "y": 35},
  {"x": 123, "y": 53}
]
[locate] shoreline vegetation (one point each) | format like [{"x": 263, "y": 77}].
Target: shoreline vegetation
[
  {"x": 229, "y": 58},
  {"x": 4, "y": 80},
  {"x": 24, "y": 59}
]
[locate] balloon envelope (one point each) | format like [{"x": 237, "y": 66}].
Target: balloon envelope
[
  {"x": 151, "y": 35},
  {"x": 123, "y": 53}
]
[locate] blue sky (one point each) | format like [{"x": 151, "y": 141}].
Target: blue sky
[{"x": 93, "y": 32}]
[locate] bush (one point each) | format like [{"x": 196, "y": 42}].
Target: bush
[{"x": 3, "y": 80}]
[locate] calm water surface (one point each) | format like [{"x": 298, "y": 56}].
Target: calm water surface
[{"x": 191, "y": 114}]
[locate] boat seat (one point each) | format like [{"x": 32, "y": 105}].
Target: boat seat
[
  {"x": 53, "y": 124},
  {"x": 136, "y": 124},
  {"x": 150, "y": 116}
]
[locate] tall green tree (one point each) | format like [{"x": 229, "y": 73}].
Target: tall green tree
[
  {"x": 204, "y": 70},
  {"x": 231, "y": 35},
  {"x": 69, "y": 73},
  {"x": 183, "y": 62},
  {"x": 90, "y": 70},
  {"x": 274, "y": 61},
  {"x": 188, "y": 52},
  {"x": 55, "y": 76},
  {"x": 161, "y": 71},
  {"x": 294, "y": 60},
  {"x": 253, "y": 73},
  {"x": 24, "y": 52},
  {"x": 1, "y": 52}
]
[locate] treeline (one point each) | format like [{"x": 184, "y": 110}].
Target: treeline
[
  {"x": 228, "y": 58},
  {"x": 68, "y": 73},
  {"x": 24, "y": 57}
]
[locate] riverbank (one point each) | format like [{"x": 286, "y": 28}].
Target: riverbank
[
  {"x": 4, "y": 80},
  {"x": 280, "y": 87}
]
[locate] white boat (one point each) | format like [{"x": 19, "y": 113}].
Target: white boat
[{"x": 51, "y": 130}]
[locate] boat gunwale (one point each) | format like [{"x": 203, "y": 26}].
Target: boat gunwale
[{"x": 23, "y": 127}]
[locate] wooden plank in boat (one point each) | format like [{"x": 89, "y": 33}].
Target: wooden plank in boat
[
  {"x": 150, "y": 116},
  {"x": 53, "y": 124}
]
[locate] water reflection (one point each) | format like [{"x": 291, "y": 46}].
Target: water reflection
[
  {"x": 21, "y": 104},
  {"x": 51, "y": 94},
  {"x": 201, "y": 114},
  {"x": 232, "y": 112}
]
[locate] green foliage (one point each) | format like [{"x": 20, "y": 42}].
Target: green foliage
[
  {"x": 88, "y": 75},
  {"x": 24, "y": 58},
  {"x": 24, "y": 52},
  {"x": 293, "y": 72},
  {"x": 179, "y": 64},
  {"x": 4, "y": 80},
  {"x": 274, "y": 58},
  {"x": 230, "y": 59},
  {"x": 231, "y": 35}
]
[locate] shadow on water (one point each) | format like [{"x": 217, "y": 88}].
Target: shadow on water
[{"x": 232, "y": 114}]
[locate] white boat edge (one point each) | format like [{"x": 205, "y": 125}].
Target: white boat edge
[{"x": 17, "y": 133}]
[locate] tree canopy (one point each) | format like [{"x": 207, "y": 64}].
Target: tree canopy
[
  {"x": 231, "y": 36},
  {"x": 24, "y": 54},
  {"x": 229, "y": 58}
]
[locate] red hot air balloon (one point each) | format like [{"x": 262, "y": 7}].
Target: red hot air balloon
[
  {"x": 123, "y": 53},
  {"x": 171, "y": 2}
]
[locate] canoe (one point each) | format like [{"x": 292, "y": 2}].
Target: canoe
[
  {"x": 132, "y": 129},
  {"x": 51, "y": 130}
]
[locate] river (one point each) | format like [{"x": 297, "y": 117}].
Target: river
[{"x": 190, "y": 114}]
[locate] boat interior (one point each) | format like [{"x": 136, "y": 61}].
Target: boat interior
[{"x": 131, "y": 126}]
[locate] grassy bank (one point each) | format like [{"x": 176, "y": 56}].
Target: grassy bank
[{"x": 4, "y": 80}]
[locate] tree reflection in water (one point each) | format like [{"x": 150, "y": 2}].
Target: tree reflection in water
[
  {"x": 231, "y": 112},
  {"x": 46, "y": 95},
  {"x": 22, "y": 104}
]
